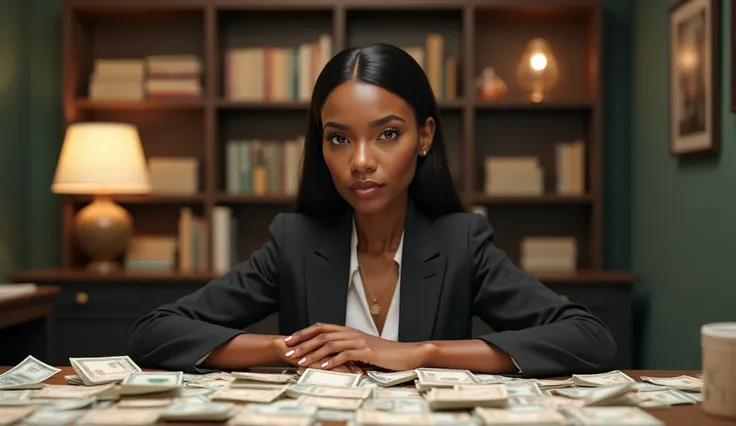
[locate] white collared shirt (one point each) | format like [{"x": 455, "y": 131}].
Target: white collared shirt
[{"x": 358, "y": 314}]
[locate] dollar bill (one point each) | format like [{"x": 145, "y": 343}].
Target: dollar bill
[
  {"x": 367, "y": 382},
  {"x": 10, "y": 415},
  {"x": 287, "y": 407},
  {"x": 258, "y": 419},
  {"x": 69, "y": 404},
  {"x": 316, "y": 377},
  {"x": 146, "y": 402},
  {"x": 683, "y": 383},
  {"x": 192, "y": 392},
  {"x": 397, "y": 405},
  {"x": 619, "y": 416},
  {"x": 213, "y": 412},
  {"x": 249, "y": 395},
  {"x": 647, "y": 387},
  {"x": 196, "y": 377},
  {"x": 552, "y": 402},
  {"x": 334, "y": 416},
  {"x": 71, "y": 391},
  {"x": 137, "y": 383},
  {"x": 615, "y": 377},
  {"x": 120, "y": 417},
  {"x": 331, "y": 403},
  {"x": 490, "y": 379},
  {"x": 29, "y": 374},
  {"x": 297, "y": 390},
  {"x": 382, "y": 418},
  {"x": 554, "y": 384},
  {"x": 264, "y": 377},
  {"x": 520, "y": 415},
  {"x": 472, "y": 396},
  {"x": 608, "y": 395},
  {"x": 52, "y": 418},
  {"x": 15, "y": 398},
  {"x": 392, "y": 378},
  {"x": 671, "y": 397},
  {"x": 101, "y": 370},
  {"x": 73, "y": 379},
  {"x": 396, "y": 393},
  {"x": 438, "y": 377}
]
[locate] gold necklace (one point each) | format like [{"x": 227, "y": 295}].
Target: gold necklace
[{"x": 376, "y": 308}]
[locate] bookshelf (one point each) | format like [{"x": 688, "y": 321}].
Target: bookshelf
[{"x": 476, "y": 33}]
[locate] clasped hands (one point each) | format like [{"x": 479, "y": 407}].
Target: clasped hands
[{"x": 340, "y": 348}]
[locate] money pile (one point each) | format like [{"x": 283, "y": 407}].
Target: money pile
[{"x": 114, "y": 390}]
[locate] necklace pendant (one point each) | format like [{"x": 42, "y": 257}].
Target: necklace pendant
[{"x": 375, "y": 309}]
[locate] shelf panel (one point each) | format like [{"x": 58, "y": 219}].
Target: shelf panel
[
  {"x": 146, "y": 199},
  {"x": 83, "y": 104},
  {"x": 232, "y": 199},
  {"x": 533, "y": 199},
  {"x": 520, "y": 105},
  {"x": 50, "y": 276},
  {"x": 450, "y": 104},
  {"x": 262, "y": 105}
]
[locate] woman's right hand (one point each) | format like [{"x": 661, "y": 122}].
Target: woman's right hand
[{"x": 280, "y": 348}]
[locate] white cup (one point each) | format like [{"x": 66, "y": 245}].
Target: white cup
[{"x": 718, "y": 344}]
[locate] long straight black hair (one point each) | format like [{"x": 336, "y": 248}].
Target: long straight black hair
[{"x": 432, "y": 190}]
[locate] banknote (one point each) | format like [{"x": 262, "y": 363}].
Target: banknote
[
  {"x": 264, "y": 377},
  {"x": 52, "y": 418},
  {"x": 139, "y": 382},
  {"x": 69, "y": 404},
  {"x": 607, "y": 395},
  {"x": 297, "y": 390},
  {"x": 316, "y": 377},
  {"x": 213, "y": 412},
  {"x": 97, "y": 371},
  {"x": 469, "y": 397},
  {"x": 396, "y": 393},
  {"x": 71, "y": 391},
  {"x": 10, "y": 415},
  {"x": 392, "y": 378},
  {"x": 283, "y": 407},
  {"x": 15, "y": 397},
  {"x": 146, "y": 402},
  {"x": 331, "y": 403},
  {"x": 553, "y": 402},
  {"x": 367, "y": 382},
  {"x": 602, "y": 379},
  {"x": 520, "y": 415},
  {"x": 334, "y": 416},
  {"x": 29, "y": 374},
  {"x": 671, "y": 397},
  {"x": 248, "y": 395},
  {"x": 620, "y": 416},
  {"x": 683, "y": 383},
  {"x": 119, "y": 417},
  {"x": 258, "y": 419},
  {"x": 438, "y": 377},
  {"x": 397, "y": 405}
]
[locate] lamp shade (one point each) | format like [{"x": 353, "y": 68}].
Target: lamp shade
[{"x": 101, "y": 158}]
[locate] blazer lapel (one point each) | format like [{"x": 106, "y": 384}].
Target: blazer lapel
[
  {"x": 422, "y": 275},
  {"x": 327, "y": 269}
]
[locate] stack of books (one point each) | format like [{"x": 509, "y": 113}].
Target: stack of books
[
  {"x": 275, "y": 73},
  {"x": 193, "y": 242},
  {"x": 549, "y": 254},
  {"x": 440, "y": 68},
  {"x": 570, "y": 168},
  {"x": 151, "y": 253},
  {"x": 177, "y": 76},
  {"x": 117, "y": 80},
  {"x": 513, "y": 176},
  {"x": 262, "y": 167},
  {"x": 173, "y": 175}
]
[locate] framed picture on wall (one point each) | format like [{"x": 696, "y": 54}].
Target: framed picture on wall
[{"x": 694, "y": 77}]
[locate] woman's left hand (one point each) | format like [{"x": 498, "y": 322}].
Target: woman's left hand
[{"x": 328, "y": 346}]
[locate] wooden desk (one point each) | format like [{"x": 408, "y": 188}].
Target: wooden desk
[
  {"x": 25, "y": 325},
  {"x": 684, "y": 415}
]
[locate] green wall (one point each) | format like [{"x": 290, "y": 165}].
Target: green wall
[
  {"x": 30, "y": 133},
  {"x": 683, "y": 233}
]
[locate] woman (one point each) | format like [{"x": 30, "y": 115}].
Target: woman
[{"x": 379, "y": 266}]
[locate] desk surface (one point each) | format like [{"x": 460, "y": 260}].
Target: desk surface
[
  {"x": 685, "y": 415},
  {"x": 25, "y": 307}
]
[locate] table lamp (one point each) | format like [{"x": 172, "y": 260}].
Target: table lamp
[
  {"x": 102, "y": 159},
  {"x": 537, "y": 71}
]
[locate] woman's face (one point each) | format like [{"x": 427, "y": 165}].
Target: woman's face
[{"x": 371, "y": 144}]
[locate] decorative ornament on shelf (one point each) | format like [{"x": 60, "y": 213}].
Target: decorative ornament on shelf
[
  {"x": 102, "y": 159},
  {"x": 537, "y": 71},
  {"x": 491, "y": 87}
]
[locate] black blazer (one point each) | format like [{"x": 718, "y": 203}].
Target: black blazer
[{"x": 450, "y": 272}]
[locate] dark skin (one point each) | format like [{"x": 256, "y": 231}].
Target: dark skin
[{"x": 369, "y": 133}]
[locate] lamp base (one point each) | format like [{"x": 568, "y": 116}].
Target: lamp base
[{"x": 103, "y": 230}]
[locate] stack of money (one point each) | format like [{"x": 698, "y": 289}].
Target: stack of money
[{"x": 113, "y": 390}]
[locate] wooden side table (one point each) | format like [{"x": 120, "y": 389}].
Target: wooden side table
[{"x": 25, "y": 325}]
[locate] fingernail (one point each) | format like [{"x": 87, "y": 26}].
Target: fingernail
[
  {"x": 290, "y": 353},
  {"x": 288, "y": 338},
  {"x": 325, "y": 364},
  {"x": 301, "y": 361}
]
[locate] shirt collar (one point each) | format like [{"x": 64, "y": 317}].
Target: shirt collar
[{"x": 354, "y": 251}]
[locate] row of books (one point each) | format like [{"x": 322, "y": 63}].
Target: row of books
[
  {"x": 440, "y": 68},
  {"x": 263, "y": 167},
  {"x": 524, "y": 175},
  {"x": 177, "y": 76},
  {"x": 189, "y": 250},
  {"x": 275, "y": 73}
]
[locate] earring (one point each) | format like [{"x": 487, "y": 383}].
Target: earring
[{"x": 424, "y": 153}]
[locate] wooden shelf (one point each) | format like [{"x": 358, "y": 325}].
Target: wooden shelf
[
  {"x": 50, "y": 276},
  {"x": 232, "y": 199},
  {"x": 144, "y": 105},
  {"x": 534, "y": 199},
  {"x": 145, "y": 199},
  {"x": 520, "y": 105},
  {"x": 261, "y": 105}
]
